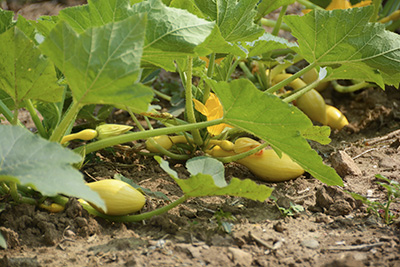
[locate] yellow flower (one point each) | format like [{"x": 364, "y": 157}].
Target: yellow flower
[
  {"x": 212, "y": 110},
  {"x": 342, "y": 4}
]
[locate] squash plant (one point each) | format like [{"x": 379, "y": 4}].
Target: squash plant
[{"x": 105, "y": 51}]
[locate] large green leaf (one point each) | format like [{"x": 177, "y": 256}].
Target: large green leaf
[
  {"x": 171, "y": 33},
  {"x": 96, "y": 13},
  {"x": 102, "y": 64},
  {"x": 45, "y": 166},
  {"x": 234, "y": 18},
  {"x": 24, "y": 72},
  {"x": 279, "y": 124},
  {"x": 266, "y": 44},
  {"x": 347, "y": 42},
  {"x": 207, "y": 179}
]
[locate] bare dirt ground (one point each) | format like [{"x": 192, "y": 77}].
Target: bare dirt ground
[{"x": 333, "y": 229}]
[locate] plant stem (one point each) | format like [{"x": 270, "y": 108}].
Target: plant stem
[
  {"x": 285, "y": 82},
  {"x": 138, "y": 217},
  {"x": 297, "y": 93},
  {"x": 375, "y": 15},
  {"x": 350, "y": 88},
  {"x": 6, "y": 112},
  {"x": 39, "y": 126},
  {"x": 277, "y": 26},
  {"x": 162, "y": 95},
  {"x": 15, "y": 120},
  {"x": 232, "y": 68},
  {"x": 189, "y": 102},
  {"x": 68, "y": 119},
  {"x": 145, "y": 134},
  {"x": 272, "y": 23},
  {"x": 309, "y": 4},
  {"x": 247, "y": 72},
  {"x": 210, "y": 72},
  {"x": 164, "y": 151},
  {"x": 242, "y": 155}
]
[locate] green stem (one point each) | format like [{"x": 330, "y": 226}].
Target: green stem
[
  {"x": 189, "y": 102},
  {"x": 297, "y": 93},
  {"x": 15, "y": 120},
  {"x": 138, "y": 217},
  {"x": 210, "y": 72},
  {"x": 247, "y": 72},
  {"x": 350, "y": 88},
  {"x": 277, "y": 26},
  {"x": 166, "y": 152},
  {"x": 162, "y": 95},
  {"x": 4, "y": 186},
  {"x": 272, "y": 23},
  {"x": 155, "y": 144},
  {"x": 281, "y": 67},
  {"x": 309, "y": 4},
  {"x": 389, "y": 7},
  {"x": 375, "y": 15},
  {"x": 135, "y": 120},
  {"x": 232, "y": 68},
  {"x": 242, "y": 155},
  {"x": 285, "y": 82},
  {"x": 6, "y": 111},
  {"x": 112, "y": 141},
  {"x": 39, "y": 126},
  {"x": 68, "y": 119}
]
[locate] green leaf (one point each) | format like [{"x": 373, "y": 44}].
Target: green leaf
[
  {"x": 213, "y": 184},
  {"x": 347, "y": 42},
  {"x": 6, "y": 20},
  {"x": 266, "y": 44},
  {"x": 24, "y": 72},
  {"x": 102, "y": 65},
  {"x": 96, "y": 13},
  {"x": 171, "y": 33},
  {"x": 318, "y": 134},
  {"x": 3, "y": 242},
  {"x": 45, "y": 166},
  {"x": 234, "y": 18},
  {"x": 279, "y": 124},
  {"x": 267, "y": 6}
]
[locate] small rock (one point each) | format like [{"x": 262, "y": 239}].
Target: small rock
[
  {"x": 323, "y": 218},
  {"x": 340, "y": 207},
  {"x": 344, "y": 164},
  {"x": 240, "y": 257},
  {"x": 310, "y": 243},
  {"x": 279, "y": 227}
]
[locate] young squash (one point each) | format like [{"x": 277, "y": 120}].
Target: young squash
[{"x": 120, "y": 198}]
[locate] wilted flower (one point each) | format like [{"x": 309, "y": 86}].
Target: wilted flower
[
  {"x": 212, "y": 110},
  {"x": 109, "y": 130}
]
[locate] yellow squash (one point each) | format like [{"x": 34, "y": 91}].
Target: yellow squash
[
  {"x": 265, "y": 164},
  {"x": 87, "y": 134},
  {"x": 335, "y": 118},
  {"x": 120, "y": 198}
]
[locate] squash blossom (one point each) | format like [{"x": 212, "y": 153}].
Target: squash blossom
[
  {"x": 212, "y": 110},
  {"x": 342, "y": 4}
]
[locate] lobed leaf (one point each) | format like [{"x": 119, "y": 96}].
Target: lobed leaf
[
  {"x": 279, "y": 124},
  {"x": 346, "y": 41},
  {"x": 24, "y": 72},
  {"x": 234, "y": 18},
  {"x": 171, "y": 33},
  {"x": 45, "y": 166},
  {"x": 102, "y": 65},
  {"x": 207, "y": 179}
]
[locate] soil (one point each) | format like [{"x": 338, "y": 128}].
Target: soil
[{"x": 332, "y": 230}]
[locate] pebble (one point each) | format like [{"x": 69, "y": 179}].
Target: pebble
[{"x": 310, "y": 243}]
